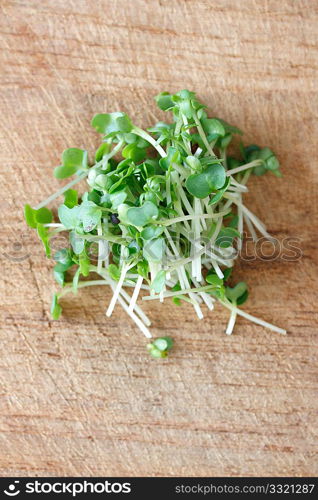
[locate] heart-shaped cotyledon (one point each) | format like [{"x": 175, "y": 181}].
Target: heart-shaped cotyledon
[
  {"x": 203, "y": 184},
  {"x": 140, "y": 216}
]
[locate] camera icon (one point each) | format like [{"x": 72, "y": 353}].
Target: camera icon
[{"x": 12, "y": 489}]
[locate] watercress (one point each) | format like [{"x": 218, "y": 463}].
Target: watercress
[{"x": 163, "y": 213}]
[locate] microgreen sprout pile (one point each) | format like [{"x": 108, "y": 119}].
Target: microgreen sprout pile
[{"x": 163, "y": 214}]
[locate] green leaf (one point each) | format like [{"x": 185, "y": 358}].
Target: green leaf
[
  {"x": 226, "y": 236},
  {"x": 76, "y": 280},
  {"x": 140, "y": 216},
  {"x": 219, "y": 194},
  {"x": 193, "y": 163},
  {"x": 63, "y": 256},
  {"x": 59, "y": 275},
  {"x": 160, "y": 347},
  {"x": 213, "y": 279},
  {"x": 227, "y": 273},
  {"x": 114, "y": 272},
  {"x": 69, "y": 217},
  {"x": 73, "y": 159},
  {"x": 77, "y": 242},
  {"x": 133, "y": 152},
  {"x": 117, "y": 199},
  {"x": 41, "y": 216},
  {"x": 103, "y": 149},
  {"x": 112, "y": 122},
  {"x": 237, "y": 292},
  {"x": 243, "y": 298},
  {"x": 29, "y": 214},
  {"x": 211, "y": 179},
  {"x": 70, "y": 198},
  {"x": 164, "y": 101},
  {"x": 156, "y": 353},
  {"x": 143, "y": 268},
  {"x": 213, "y": 127},
  {"x": 84, "y": 263},
  {"x": 43, "y": 233},
  {"x": 56, "y": 309},
  {"x": 159, "y": 282},
  {"x": 153, "y": 250},
  {"x": 224, "y": 142},
  {"x": 150, "y": 232},
  {"x": 173, "y": 156},
  {"x": 90, "y": 215}
]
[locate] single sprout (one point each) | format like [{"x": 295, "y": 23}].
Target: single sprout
[
  {"x": 162, "y": 216},
  {"x": 160, "y": 347}
]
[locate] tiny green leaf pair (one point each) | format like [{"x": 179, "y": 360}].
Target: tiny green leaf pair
[
  {"x": 85, "y": 216},
  {"x": 238, "y": 294},
  {"x": 160, "y": 347},
  {"x": 138, "y": 216},
  {"x": 73, "y": 160},
  {"x": 111, "y": 123},
  {"x": 34, "y": 217},
  {"x": 203, "y": 184}
]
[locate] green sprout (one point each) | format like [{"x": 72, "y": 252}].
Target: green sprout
[
  {"x": 162, "y": 216},
  {"x": 160, "y": 347}
]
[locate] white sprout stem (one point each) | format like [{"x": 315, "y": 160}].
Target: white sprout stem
[
  {"x": 214, "y": 263},
  {"x": 252, "y": 164},
  {"x": 186, "y": 142},
  {"x": 125, "y": 295},
  {"x": 106, "y": 260},
  {"x": 202, "y": 134},
  {"x": 132, "y": 284},
  {"x": 246, "y": 177},
  {"x": 257, "y": 223},
  {"x": 101, "y": 248},
  {"x": 169, "y": 222},
  {"x": 204, "y": 250},
  {"x": 203, "y": 223},
  {"x": 178, "y": 207},
  {"x": 62, "y": 190},
  {"x": 198, "y": 152},
  {"x": 185, "y": 200},
  {"x": 135, "y": 318},
  {"x": 196, "y": 263},
  {"x": 135, "y": 294},
  {"x": 231, "y": 323},
  {"x": 240, "y": 185},
  {"x": 180, "y": 292},
  {"x": 240, "y": 226},
  {"x": 68, "y": 289},
  {"x": 151, "y": 140},
  {"x": 53, "y": 224},
  {"x": 254, "y": 219},
  {"x": 183, "y": 277},
  {"x": 181, "y": 170},
  {"x": 206, "y": 298},
  {"x": 168, "y": 189},
  {"x": 186, "y": 285},
  {"x": 253, "y": 318},
  {"x": 138, "y": 309},
  {"x": 250, "y": 228},
  {"x": 217, "y": 269},
  {"x": 111, "y": 306},
  {"x": 113, "y": 151},
  {"x": 236, "y": 189},
  {"x": 178, "y": 126}
]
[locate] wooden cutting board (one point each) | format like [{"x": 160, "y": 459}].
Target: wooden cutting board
[{"x": 81, "y": 396}]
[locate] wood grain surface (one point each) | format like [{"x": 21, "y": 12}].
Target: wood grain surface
[{"x": 81, "y": 396}]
